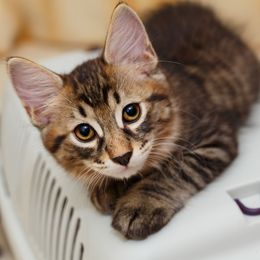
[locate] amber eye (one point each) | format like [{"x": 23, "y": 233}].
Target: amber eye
[
  {"x": 131, "y": 113},
  {"x": 84, "y": 132}
]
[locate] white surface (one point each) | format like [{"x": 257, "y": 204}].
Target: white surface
[
  {"x": 12, "y": 227},
  {"x": 211, "y": 227}
]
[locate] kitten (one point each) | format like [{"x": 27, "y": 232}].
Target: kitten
[{"x": 151, "y": 121}]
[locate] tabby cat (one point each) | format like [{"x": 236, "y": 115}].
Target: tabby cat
[{"x": 153, "y": 119}]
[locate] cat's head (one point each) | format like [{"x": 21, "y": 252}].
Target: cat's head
[{"x": 111, "y": 116}]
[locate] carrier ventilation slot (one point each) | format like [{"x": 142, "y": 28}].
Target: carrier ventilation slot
[
  {"x": 67, "y": 229},
  {"x": 54, "y": 224},
  {"x": 75, "y": 235},
  {"x": 81, "y": 256}
]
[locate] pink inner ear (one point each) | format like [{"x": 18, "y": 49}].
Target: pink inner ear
[
  {"x": 35, "y": 86},
  {"x": 127, "y": 40}
]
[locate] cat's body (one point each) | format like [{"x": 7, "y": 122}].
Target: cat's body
[
  {"x": 191, "y": 98},
  {"x": 215, "y": 66}
]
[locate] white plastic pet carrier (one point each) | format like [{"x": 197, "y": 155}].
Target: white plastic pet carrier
[{"x": 47, "y": 215}]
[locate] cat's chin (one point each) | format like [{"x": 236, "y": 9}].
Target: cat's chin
[{"x": 123, "y": 172}]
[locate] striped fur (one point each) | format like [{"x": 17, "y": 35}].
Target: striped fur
[
  {"x": 195, "y": 100},
  {"x": 214, "y": 80}
]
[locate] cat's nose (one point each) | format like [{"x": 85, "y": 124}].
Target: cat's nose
[{"x": 123, "y": 159}]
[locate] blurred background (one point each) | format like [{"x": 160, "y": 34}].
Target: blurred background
[
  {"x": 38, "y": 29},
  {"x": 42, "y": 28}
]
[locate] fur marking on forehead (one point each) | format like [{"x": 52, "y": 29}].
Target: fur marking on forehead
[{"x": 93, "y": 82}]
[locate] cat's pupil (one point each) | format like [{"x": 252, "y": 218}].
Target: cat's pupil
[
  {"x": 84, "y": 129},
  {"x": 131, "y": 110}
]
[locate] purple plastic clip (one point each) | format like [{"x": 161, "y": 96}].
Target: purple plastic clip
[{"x": 247, "y": 211}]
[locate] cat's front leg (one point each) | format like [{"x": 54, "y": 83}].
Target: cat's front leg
[
  {"x": 150, "y": 204},
  {"x": 105, "y": 197}
]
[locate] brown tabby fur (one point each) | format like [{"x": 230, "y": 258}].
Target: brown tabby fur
[{"x": 211, "y": 80}]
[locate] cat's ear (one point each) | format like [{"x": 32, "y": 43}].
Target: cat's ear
[
  {"x": 127, "y": 41},
  {"x": 36, "y": 86}
]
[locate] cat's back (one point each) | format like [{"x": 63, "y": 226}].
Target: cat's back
[
  {"x": 215, "y": 63},
  {"x": 176, "y": 31},
  {"x": 173, "y": 26}
]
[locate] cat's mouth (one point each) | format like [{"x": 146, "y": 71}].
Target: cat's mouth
[
  {"x": 123, "y": 172},
  {"x": 136, "y": 164},
  {"x": 128, "y": 171}
]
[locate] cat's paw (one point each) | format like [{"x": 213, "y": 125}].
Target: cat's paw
[{"x": 138, "y": 220}]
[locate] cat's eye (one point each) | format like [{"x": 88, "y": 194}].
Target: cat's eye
[
  {"x": 131, "y": 113},
  {"x": 84, "y": 132}
]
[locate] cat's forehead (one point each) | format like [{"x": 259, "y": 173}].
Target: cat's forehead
[
  {"x": 96, "y": 83},
  {"x": 91, "y": 82}
]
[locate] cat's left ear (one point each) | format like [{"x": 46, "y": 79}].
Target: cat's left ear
[
  {"x": 36, "y": 86},
  {"x": 127, "y": 42}
]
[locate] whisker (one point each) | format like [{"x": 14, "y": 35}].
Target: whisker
[{"x": 172, "y": 62}]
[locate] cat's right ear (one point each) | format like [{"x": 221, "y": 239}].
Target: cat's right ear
[{"x": 36, "y": 86}]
